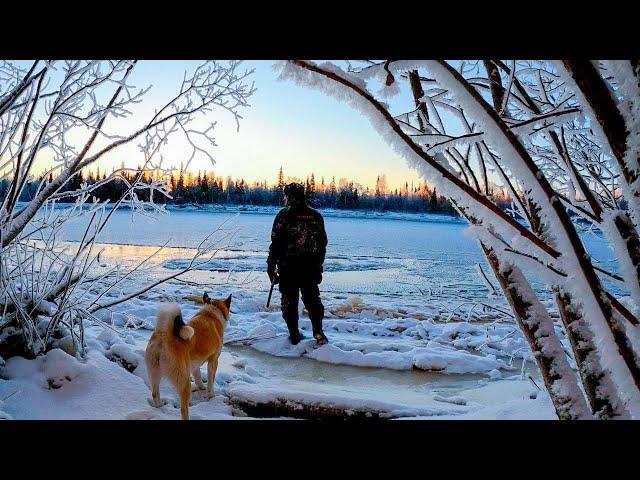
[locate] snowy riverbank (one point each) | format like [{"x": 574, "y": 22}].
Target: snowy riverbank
[
  {"x": 418, "y": 365},
  {"x": 413, "y": 333}
]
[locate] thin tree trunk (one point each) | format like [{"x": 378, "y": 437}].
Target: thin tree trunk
[
  {"x": 537, "y": 327},
  {"x": 593, "y": 379},
  {"x": 530, "y": 314},
  {"x": 495, "y": 85},
  {"x": 612, "y": 123},
  {"x": 576, "y": 256},
  {"x": 579, "y": 337},
  {"x": 605, "y": 110},
  {"x": 418, "y": 93},
  {"x": 603, "y": 105},
  {"x": 586, "y": 277}
]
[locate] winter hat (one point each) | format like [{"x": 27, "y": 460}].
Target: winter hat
[{"x": 294, "y": 192}]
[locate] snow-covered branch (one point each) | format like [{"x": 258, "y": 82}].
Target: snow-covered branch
[
  {"x": 46, "y": 284},
  {"x": 477, "y": 126}
]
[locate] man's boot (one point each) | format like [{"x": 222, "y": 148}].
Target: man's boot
[
  {"x": 318, "y": 334},
  {"x": 289, "y": 305},
  {"x": 295, "y": 336}
]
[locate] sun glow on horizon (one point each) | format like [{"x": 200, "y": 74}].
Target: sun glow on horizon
[{"x": 300, "y": 130}]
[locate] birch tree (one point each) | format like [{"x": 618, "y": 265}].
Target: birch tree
[{"x": 539, "y": 130}]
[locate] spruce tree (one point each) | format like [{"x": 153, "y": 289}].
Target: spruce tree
[{"x": 433, "y": 201}]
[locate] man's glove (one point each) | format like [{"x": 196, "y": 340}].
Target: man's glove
[{"x": 273, "y": 276}]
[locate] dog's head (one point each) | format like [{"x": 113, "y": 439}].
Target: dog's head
[{"x": 223, "y": 304}]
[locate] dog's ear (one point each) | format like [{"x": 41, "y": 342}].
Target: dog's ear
[
  {"x": 205, "y": 298},
  {"x": 227, "y": 301}
]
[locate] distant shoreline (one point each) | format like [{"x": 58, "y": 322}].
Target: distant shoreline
[{"x": 327, "y": 212}]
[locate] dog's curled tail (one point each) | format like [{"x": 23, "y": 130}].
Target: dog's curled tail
[{"x": 169, "y": 319}]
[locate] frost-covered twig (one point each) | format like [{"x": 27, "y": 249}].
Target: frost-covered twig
[
  {"x": 47, "y": 287},
  {"x": 549, "y": 164}
]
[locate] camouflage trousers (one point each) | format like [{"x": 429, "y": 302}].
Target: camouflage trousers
[{"x": 310, "y": 297}]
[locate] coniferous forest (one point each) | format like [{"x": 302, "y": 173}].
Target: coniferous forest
[{"x": 202, "y": 188}]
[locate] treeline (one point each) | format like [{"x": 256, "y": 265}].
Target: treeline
[
  {"x": 206, "y": 188},
  {"x": 109, "y": 191}
]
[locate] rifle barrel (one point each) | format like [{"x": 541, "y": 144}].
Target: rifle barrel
[{"x": 270, "y": 292}]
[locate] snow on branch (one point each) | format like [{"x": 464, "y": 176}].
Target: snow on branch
[
  {"x": 517, "y": 125},
  {"x": 67, "y": 115}
]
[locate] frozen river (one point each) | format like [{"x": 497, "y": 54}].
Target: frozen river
[{"x": 389, "y": 255}]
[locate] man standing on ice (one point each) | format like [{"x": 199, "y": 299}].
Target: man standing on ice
[{"x": 297, "y": 250}]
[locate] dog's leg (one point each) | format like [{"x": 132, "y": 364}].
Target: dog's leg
[
  {"x": 198, "y": 378},
  {"x": 155, "y": 394},
  {"x": 184, "y": 390},
  {"x": 212, "y": 366},
  {"x": 154, "y": 380}
]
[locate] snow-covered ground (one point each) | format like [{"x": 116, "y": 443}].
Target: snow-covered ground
[
  {"x": 412, "y": 332},
  {"x": 415, "y": 367}
]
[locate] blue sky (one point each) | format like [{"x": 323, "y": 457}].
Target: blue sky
[{"x": 303, "y": 130}]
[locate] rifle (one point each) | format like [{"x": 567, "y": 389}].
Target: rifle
[{"x": 273, "y": 282}]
